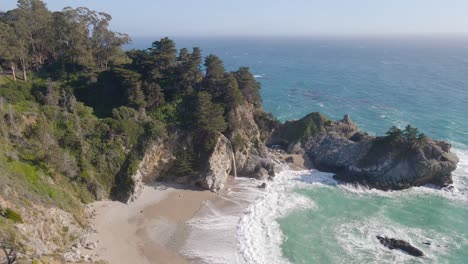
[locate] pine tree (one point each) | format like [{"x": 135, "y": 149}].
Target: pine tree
[
  {"x": 209, "y": 115},
  {"x": 248, "y": 86}
]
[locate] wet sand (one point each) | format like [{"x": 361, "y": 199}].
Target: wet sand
[{"x": 149, "y": 230}]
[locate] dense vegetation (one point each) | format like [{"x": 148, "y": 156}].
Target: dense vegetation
[
  {"x": 77, "y": 118},
  {"x": 301, "y": 130}
]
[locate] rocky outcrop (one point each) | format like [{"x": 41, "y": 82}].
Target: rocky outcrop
[
  {"x": 219, "y": 165},
  {"x": 251, "y": 154},
  {"x": 159, "y": 163},
  {"x": 44, "y": 230},
  {"x": 402, "y": 245},
  {"x": 379, "y": 162},
  {"x": 241, "y": 145}
]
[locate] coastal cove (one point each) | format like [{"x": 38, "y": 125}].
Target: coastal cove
[
  {"x": 367, "y": 83},
  {"x": 242, "y": 150}
]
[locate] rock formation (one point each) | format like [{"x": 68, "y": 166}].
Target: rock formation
[
  {"x": 402, "y": 245},
  {"x": 219, "y": 165},
  {"x": 242, "y": 146},
  {"x": 250, "y": 151},
  {"x": 354, "y": 156}
]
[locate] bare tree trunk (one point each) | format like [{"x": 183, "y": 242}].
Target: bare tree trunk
[
  {"x": 25, "y": 78},
  {"x": 13, "y": 71}
]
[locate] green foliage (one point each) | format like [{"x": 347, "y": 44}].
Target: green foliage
[
  {"x": 31, "y": 37},
  {"x": 410, "y": 135},
  {"x": 185, "y": 162},
  {"x": 238, "y": 143},
  {"x": 394, "y": 133},
  {"x": 209, "y": 115},
  {"x": 168, "y": 113},
  {"x": 214, "y": 68},
  {"x": 156, "y": 128},
  {"x": 248, "y": 86},
  {"x": 16, "y": 91},
  {"x": 81, "y": 123},
  {"x": 11, "y": 215},
  {"x": 266, "y": 122},
  {"x": 310, "y": 125},
  {"x": 396, "y": 142}
]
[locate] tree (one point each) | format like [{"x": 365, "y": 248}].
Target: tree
[
  {"x": 394, "y": 133},
  {"x": 7, "y": 48},
  {"x": 209, "y": 115},
  {"x": 35, "y": 19},
  {"x": 232, "y": 96},
  {"x": 410, "y": 133},
  {"x": 248, "y": 86},
  {"x": 106, "y": 43},
  {"x": 154, "y": 95},
  {"x": 214, "y": 77},
  {"x": 214, "y": 68},
  {"x": 131, "y": 83},
  {"x": 163, "y": 54}
]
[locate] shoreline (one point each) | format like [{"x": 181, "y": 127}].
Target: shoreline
[
  {"x": 166, "y": 223},
  {"x": 151, "y": 229}
]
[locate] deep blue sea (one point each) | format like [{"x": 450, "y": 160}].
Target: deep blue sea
[{"x": 380, "y": 82}]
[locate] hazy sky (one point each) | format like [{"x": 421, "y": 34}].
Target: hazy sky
[{"x": 141, "y": 18}]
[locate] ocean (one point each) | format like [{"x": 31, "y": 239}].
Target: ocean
[{"x": 306, "y": 217}]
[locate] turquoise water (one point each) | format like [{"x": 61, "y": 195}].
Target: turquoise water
[{"x": 380, "y": 83}]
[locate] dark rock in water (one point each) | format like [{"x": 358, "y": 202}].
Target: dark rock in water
[
  {"x": 262, "y": 186},
  {"x": 289, "y": 159},
  {"x": 427, "y": 243},
  {"x": 402, "y": 245},
  {"x": 378, "y": 162}
]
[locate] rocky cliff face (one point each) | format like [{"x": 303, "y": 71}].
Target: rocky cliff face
[
  {"x": 378, "y": 162},
  {"x": 251, "y": 154},
  {"x": 219, "y": 165},
  {"x": 242, "y": 146},
  {"x": 160, "y": 164}
]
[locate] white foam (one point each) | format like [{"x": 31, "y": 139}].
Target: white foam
[
  {"x": 358, "y": 239},
  {"x": 248, "y": 231},
  {"x": 259, "y": 233}
]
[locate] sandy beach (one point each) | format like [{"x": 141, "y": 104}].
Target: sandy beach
[
  {"x": 149, "y": 230},
  {"x": 167, "y": 220}
]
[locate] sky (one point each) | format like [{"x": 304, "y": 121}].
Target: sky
[{"x": 177, "y": 18}]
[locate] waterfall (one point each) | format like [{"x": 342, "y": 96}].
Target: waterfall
[{"x": 233, "y": 156}]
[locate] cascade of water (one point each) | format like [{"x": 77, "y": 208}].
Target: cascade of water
[{"x": 233, "y": 159}]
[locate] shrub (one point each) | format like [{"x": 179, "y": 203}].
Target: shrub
[
  {"x": 11, "y": 215},
  {"x": 300, "y": 130}
]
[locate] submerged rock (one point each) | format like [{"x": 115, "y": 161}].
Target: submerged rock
[
  {"x": 262, "y": 186},
  {"x": 402, "y": 245},
  {"x": 378, "y": 162}
]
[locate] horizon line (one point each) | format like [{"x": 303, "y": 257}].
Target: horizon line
[{"x": 337, "y": 35}]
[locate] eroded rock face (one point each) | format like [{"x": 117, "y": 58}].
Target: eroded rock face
[
  {"x": 158, "y": 160},
  {"x": 219, "y": 165},
  {"x": 159, "y": 163},
  {"x": 252, "y": 157},
  {"x": 242, "y": 143},
  {"x": 378, "y": 162}
]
